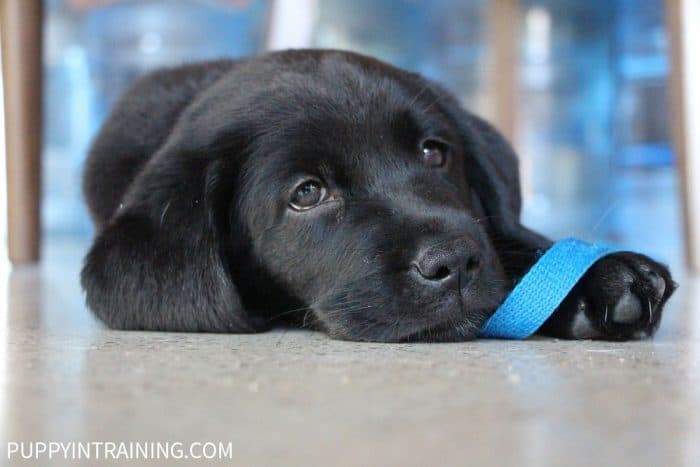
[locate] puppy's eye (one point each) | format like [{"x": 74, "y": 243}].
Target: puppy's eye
[
  {"x": 434, "y": 152},
  {"x": 308, "y": 195}
]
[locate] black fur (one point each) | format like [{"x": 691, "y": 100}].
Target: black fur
[{"x": 189, "y": 184}]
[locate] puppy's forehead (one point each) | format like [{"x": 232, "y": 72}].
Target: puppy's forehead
[
  {"x": 357, "y": 120},
  {"x": 353, "y": 116},
  {"x": 357, "y": 143}
]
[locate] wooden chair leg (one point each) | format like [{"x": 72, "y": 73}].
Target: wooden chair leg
[
  {"x": 21, "y": 26},
  {"x": 682, "y": 18}
]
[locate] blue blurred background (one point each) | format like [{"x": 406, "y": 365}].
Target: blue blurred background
[{"x": 590, "y": 104}]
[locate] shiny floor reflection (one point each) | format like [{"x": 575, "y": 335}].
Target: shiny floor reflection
[{"x": 292, "y": 397}]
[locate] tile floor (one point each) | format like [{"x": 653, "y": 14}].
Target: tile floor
[{"x": 298, "y": 398}]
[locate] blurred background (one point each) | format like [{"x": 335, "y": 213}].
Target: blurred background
[{"x": 580, "y": 87}]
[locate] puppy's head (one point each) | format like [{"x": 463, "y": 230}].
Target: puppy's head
[{"x": 322, "y": 187}]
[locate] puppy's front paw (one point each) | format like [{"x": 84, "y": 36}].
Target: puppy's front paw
[
  {"x": 620, "y": 298},
  {"x": 626, "y": 293}
]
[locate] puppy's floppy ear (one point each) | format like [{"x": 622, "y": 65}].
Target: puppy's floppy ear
[
  {"x": 159, "y": 187},
  {"x": 492, "y": 171},
  {"x": 160, "y": 263}
]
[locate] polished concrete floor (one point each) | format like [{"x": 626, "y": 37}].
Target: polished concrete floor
[{"x": 298, "y": 398}]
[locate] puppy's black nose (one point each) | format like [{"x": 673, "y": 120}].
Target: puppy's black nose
[{"x": 445, "y": 262}]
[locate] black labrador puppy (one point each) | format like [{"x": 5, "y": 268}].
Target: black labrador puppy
[{"x": 323, "y": 189}]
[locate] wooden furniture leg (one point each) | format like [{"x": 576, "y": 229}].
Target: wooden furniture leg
[
  {"x": 21, "y": 27},
  {"x": 682, "y": 17}
]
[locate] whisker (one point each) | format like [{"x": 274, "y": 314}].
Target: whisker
[
  {"x": 606, "y": 214},
  {"x": 287, "y": 312}
]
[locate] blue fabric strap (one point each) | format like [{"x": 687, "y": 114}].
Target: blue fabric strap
[{"x": 543, "y": 288}]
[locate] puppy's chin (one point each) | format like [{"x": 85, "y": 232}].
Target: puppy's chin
[
  {"x": 451, "y": 324},
  {"x": 453, "y": 331}
]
